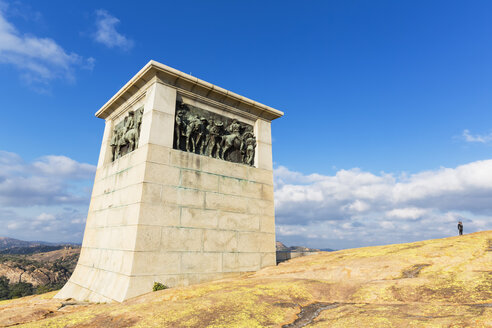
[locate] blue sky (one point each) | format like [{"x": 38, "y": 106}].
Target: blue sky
[{"x": 386, "y": 135}]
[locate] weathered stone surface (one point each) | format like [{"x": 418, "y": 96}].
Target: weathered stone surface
[
  {"x": 216, "y": 201},
  {"x": 267, "y": 223},
  {"x": 156, "y": 263},
  {"x": 162, "y": 174},
  {"x": 201, "y": 263},
  {"x": 238, "y": 221},
  {"x": 181, "y": 239},
  {"x": 199, "y": 180},
  {"x": 199, "y": 218},
  {"x": 256, "y": 242},
  {"x": 159, "y": 214},
  {"x": 219, "y": 241}
]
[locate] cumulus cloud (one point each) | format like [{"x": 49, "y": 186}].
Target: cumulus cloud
[
  {"x": 56, "y": 225},
  {"x": 43, "y": 217},
  {"x": 107, "y": 34},
  {"x": 477, "y": 137},
  {"x": 406, "y": 213},
  {"x": 40, "y": 60},
  {"x": 44, "y": 199},
  {"x": 356, "y": 208},
  {"x": 63, "y": 167},
  {"x": 48, "y": 180}
]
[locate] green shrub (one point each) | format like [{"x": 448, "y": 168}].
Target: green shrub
[
  {"x": 4, "y": 288},
  {"x": 21, "y": 289},
  {"x": 41, "y": 289},
  {"x": 159, "y": 286}
]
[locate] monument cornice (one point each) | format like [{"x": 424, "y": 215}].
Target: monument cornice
[{"x": 188, "y": 83}]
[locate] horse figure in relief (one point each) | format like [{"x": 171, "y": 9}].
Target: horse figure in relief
[
  {"x": 132, "y": 127},
  {"x": 233, "y": 140}
]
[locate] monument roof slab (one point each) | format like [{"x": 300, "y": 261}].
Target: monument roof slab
[{"x": 186, "y": 82}]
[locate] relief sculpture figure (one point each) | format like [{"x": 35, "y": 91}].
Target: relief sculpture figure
[
  {"x": 211, "y": 134},
  {"x": 126, "y": 134},
  {"x": 248, "y": 147},
  {"x": 214, "y": 139},
  {"x": 232, "y": 140},
  {"x": 202, "y": 135},
  {"x": 131, "y": 134},
  {"x": 116, "y": 143},
  {"x": 179, "y": 126},
  {"x": 250, "y": 150},
  {"x": 192, "y": 130}
]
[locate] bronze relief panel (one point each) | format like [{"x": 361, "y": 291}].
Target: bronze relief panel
[{"x": 206, "y": 133}]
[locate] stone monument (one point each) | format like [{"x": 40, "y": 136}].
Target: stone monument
[{"x": 183, "y": 191}]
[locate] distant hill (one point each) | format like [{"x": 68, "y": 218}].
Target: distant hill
[
  {"x": 6, "y": 242},
  {"x": 16, "y": 246},
  {"x": 31, "y": 249}
]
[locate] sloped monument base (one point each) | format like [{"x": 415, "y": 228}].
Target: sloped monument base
[{"x": 183, "y": 191}]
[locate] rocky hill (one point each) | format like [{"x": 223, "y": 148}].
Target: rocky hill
[
  {"x": 434, "y": 283},
  {"x": 22, "y": 275},
  {"x": 282, "y": 248},
  {"x": 41, "y": 268}
]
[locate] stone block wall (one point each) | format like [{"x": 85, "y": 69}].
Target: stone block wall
[
  {"x": 106, "y": 261},
  {"x": 158, "y": 214}
]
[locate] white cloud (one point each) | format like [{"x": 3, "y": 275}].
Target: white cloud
[
  {"x": 40, "y": 60},
  {"x": 406, "y": 213},
  {"x": 13, "y": 225},
  {"x": 387, "y": 225},
  {"x": 59, "y": 225},
  {"x": 45, "y": 217},
  {"x": 48, "y": 180},
  {"x": 476, "y": 138},
  {"x": 106, "y": 31},
  {"x": 63, "y": 167},
  {"x": 291, "y": 230},
  {"x": 349, "y": 209},
  {"x": 45, "y": 199},
  {"x": 355, "y": 208}
]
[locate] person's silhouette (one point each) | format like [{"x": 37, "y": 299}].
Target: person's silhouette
[{"x": 460, "y": 227}]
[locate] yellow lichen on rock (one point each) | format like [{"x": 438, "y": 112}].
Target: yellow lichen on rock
[{"x": 434, "y": 283}]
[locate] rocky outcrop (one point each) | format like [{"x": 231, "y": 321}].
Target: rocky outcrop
[
  {"x": 434, "y": 283},
  {"x": 40, "y": 269},
  {"x": 30, "y": 274},
  {"x": 281, "y": 247}
]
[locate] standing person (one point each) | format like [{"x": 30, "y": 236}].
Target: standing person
[{"x": 460, "y": 227}]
